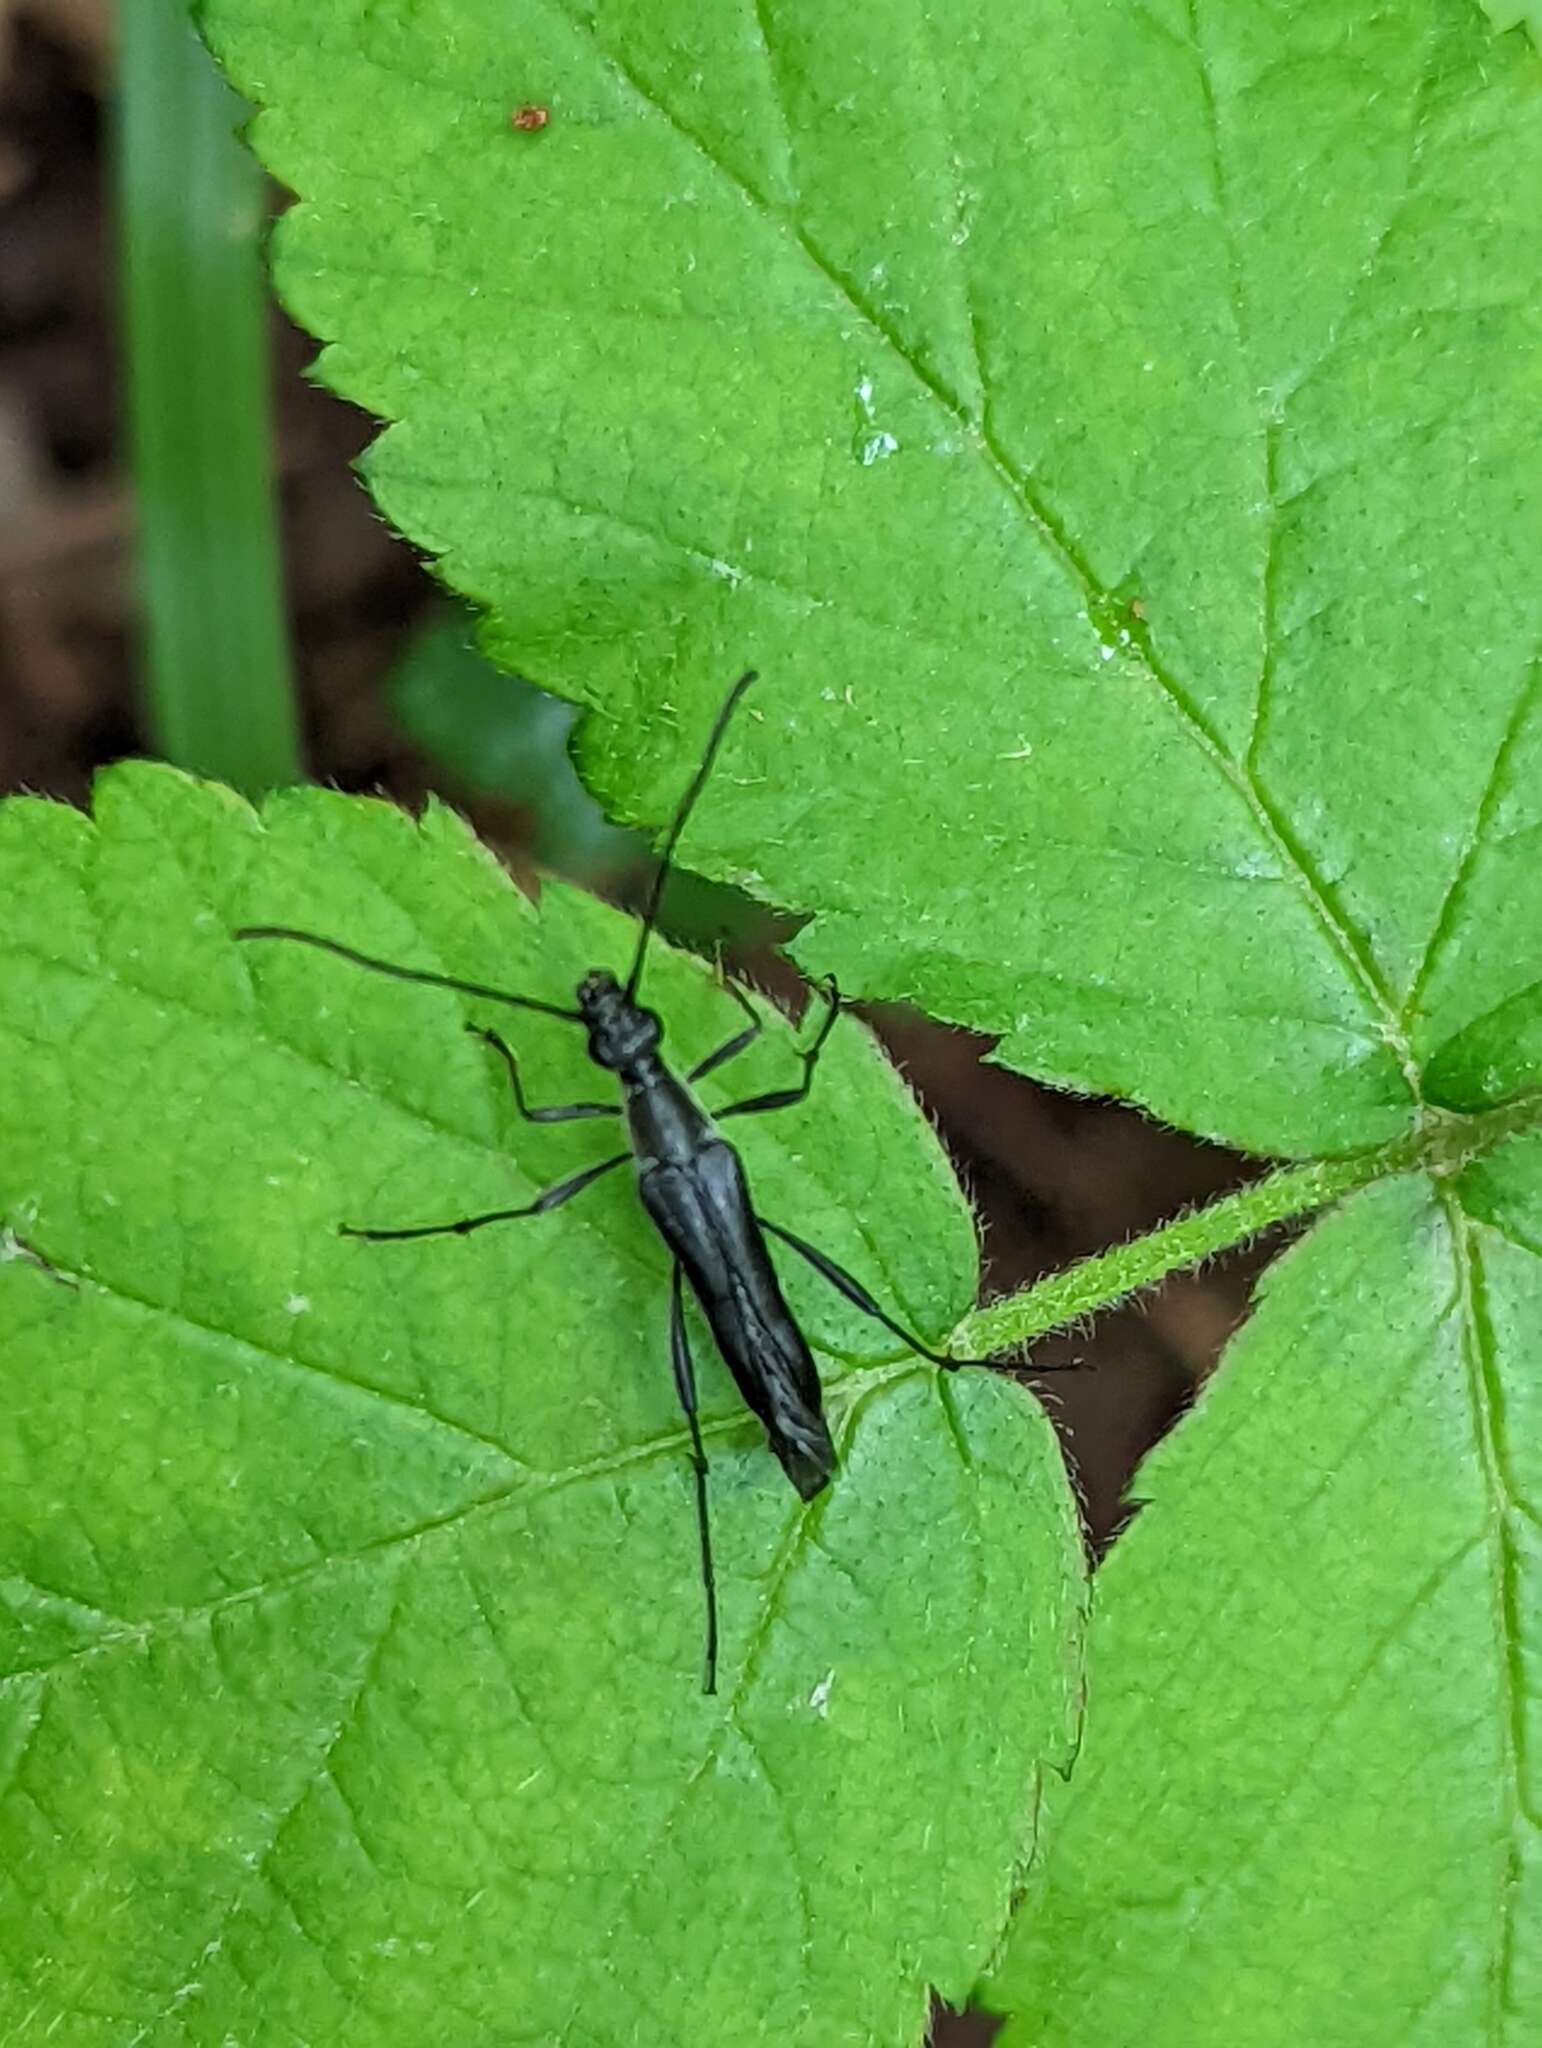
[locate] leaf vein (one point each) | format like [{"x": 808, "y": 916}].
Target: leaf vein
[
  {"x": 802, "y": 1533},
  {"x": 760, "y": 12},
  {"x": 667, "y": 1447},
  {"x": 116, "y": 1292},
  {"x": 1487, "y": 1399},
  {"x": 1446, "y": 918},
  {"x": 260, "y": 1870}
]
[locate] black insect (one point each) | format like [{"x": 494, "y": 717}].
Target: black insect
[{"x": 692, "y": 1185}]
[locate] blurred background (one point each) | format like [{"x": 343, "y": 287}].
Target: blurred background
[{"x": 190, "y": 569}]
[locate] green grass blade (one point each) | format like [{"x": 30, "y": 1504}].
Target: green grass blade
[{"x": 216, "y": 655}]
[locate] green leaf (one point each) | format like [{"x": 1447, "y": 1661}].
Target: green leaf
[
  {"x": 1305, "y": 1808},
  {"x": 498, "y": 735},
  {"x": 1508, "y": 14},
  {"x": 1064, "y": 409},
  {"x": 1497, "y": 1054},
  {"x": 349, "y": 1604}
]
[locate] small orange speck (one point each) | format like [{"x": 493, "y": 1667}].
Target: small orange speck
[
  {"x": 1137, "y": 607},
  {"x": 529, "y": 119}
]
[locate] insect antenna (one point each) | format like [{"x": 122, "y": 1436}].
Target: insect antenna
[
  {"x": 687, "y": 802},
  {"x": 450, "y": 981}
]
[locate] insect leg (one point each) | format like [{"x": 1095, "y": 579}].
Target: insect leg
[
  {"x": 551, "y": 1198},
  {"x": 859, "y": 1297},
  {"x": 562, "y": 1113},
  {"x": 740, "y": 1042},
  {"x": 784, "y": 1098},
  {"x": 685, "y": 1387}
]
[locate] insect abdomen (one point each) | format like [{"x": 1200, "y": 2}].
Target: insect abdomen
[{"x": 703, "y": 1213}]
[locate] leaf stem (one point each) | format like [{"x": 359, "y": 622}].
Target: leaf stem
[{"x": 1442, "y": 1146}]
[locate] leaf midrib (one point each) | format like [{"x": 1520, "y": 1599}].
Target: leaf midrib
[
  {"x": 1486, "y": 1396},
  {"x": 741, "y": 1429}
]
